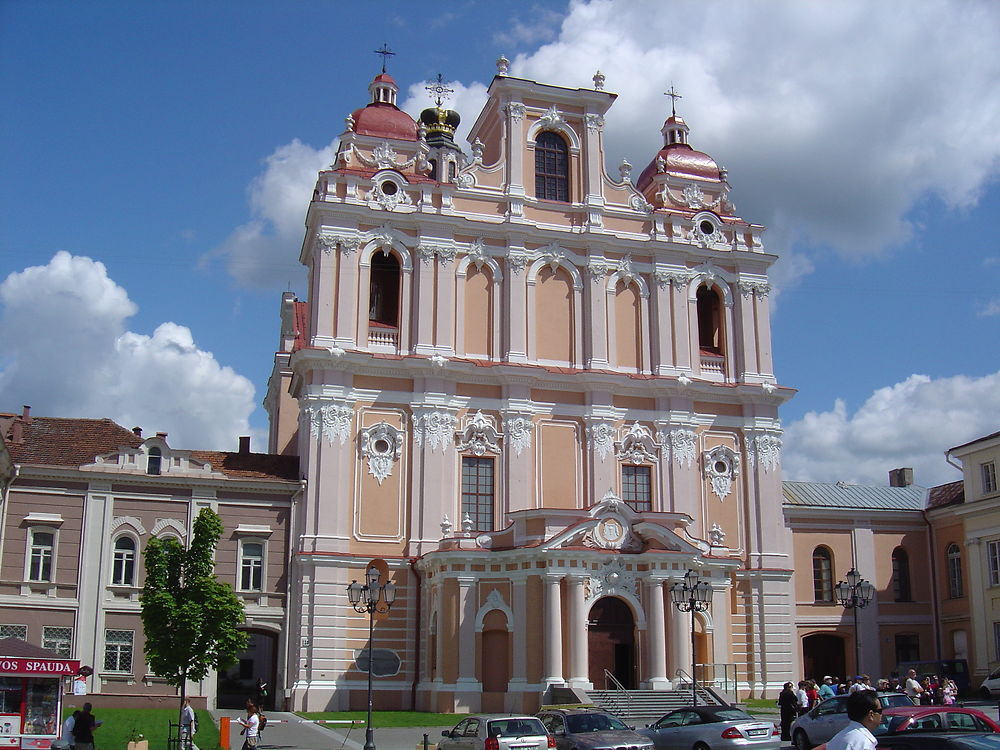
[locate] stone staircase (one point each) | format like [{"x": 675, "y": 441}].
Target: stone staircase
[{"x": 641, "y": 707}]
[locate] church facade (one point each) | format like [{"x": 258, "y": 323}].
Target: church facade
[{"x": 538, "y": 393}]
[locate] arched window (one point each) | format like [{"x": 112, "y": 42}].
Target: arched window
[
  {"x": 822, "y": 574},
  {"x": 154, "y": 461},
  {"x": 383, "y": 295},
  {"x": 901, "y": 575},
  {"x": 955, "y": 587},
  {"x": 551, "y": 167},
  {"x": 40, "y": 556},
  {"x": 123, "y": 564},
  {"x": 709, "y": 320}
]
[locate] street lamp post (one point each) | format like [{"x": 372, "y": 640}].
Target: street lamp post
[
  {"x": 691, "y": 596},
  {"x": 374, "y": 598},
  {"x": 855, "y": 593}
]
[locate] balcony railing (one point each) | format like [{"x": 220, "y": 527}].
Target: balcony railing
[
  {"x": 713, "y": 365},
  {"x": 381, "y": 336}
]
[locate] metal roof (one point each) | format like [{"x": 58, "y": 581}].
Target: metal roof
[{"x": 843, "y": 495}]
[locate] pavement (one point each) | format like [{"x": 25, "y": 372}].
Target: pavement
[{"x": 286, "y": 731}]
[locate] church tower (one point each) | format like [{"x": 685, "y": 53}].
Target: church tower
[{"x": 536, "y": 394}]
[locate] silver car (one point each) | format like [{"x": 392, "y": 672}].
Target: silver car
[
  {"x": 587, "y": 729},
  {"x": 497, "y": 733},
  {"x": 829, "y": 717},
  {"x": 712, "y": 727}
]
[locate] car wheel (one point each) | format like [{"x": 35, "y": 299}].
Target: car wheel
[{"x": 801, "y": 740}]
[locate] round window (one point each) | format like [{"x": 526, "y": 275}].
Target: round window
[
  {"x": 381, "y": 446},
  {"x": 721, "y": 467},
  {"x": 389, "y": 188},
  {"x": 707, "y": 227}
]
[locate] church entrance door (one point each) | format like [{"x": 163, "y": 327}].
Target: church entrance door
[
  {"x": 611, "y": 642},
  {"x": 823, "y": 654}
]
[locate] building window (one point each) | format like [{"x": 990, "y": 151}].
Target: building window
[
  {"x": 901, "y": 575},
  {"x": 993, "y": 553},
  {"x": 383, "y": 295},
  {"x": 551, "y": 167},
  {"x": 58, "y": 639},
  {"x": 14, "y": 631},
  {"x": 954, "y": 554},
  {"x": 118, "y": 650},
  {"x": 709, "y": 320},
  {"x": 123, "y": 564},
  {"x": 478, "y": 492},
  {"x": 154, "y": 461},
  {"x": 637, "y": 487},
  {"x": 996, "y": 641},
  {"x": 907, "y": 647},
  {"x": 823, "y": 574},
  {"x": 252, "y": 566},
  {"x": 989, "y": 477},
  {"x": 40, "y": 556}
]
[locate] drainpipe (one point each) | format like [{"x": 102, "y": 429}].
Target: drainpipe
[
  {"x": 416, "y": 636},
  {"x": 4, "y": 497},
  {"x": 932, "y": 543}
]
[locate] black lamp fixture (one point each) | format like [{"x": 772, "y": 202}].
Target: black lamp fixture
[
  {"x": 692, "y": 596},
  {"x": 855, "y": 593},
  {"x": 372, "y": 597}
]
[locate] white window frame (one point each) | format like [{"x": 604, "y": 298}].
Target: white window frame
[
  {"x": 263, "y": 565},
  {"x": 956, "y": 584},
  {"x": 29, "y": 547},
  {"x": 47, "y": 639},
  {"x": 131, "y": 653},
  {"x": 988, "y": 474},
  {"x": 993, "y": 558},
  {"x": 21, "y": 629},
  {"x": 135, "y": 559}
]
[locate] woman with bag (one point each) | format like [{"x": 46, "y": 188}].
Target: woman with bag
[{"x": 250, "y": 727}]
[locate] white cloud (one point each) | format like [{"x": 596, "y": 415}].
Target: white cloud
[
  {"x": 991, "y": 308},
  {"x": 264, "y": 252},
  {"x": 68, "y": 353},
  {"x": 909, "y": 424}
]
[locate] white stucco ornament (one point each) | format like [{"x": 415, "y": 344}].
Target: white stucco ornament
[
  {"x": 602, "y": 438},
  {"x": 717, "y": 536},
  {"x": 764, "y": 449},
  {"x": 446, "y": 526},
  {"x": 435, "y": 428},
  {"x": 518, "y": 435},
  {"x": 382, "y": 446},
  {"x": 333, "y": 421},
  {"x": 722, "y": 466},
  {"x": 479, "y": 437},
  {"x": 552, "y": 118},
  {"x": 682, "y": 446},
  {"x": 613, "y": 578},
  {"x": 638, "y": 446}
]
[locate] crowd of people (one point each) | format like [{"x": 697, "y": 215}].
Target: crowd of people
[{"x": 796, "y": 700}]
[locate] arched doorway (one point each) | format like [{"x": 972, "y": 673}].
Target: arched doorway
[
  {"x": 259, "y": 661},
  {"x": 823, "y": 654},
  {"x": 611, "y": 642}
]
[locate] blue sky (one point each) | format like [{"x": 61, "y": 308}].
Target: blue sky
[{"x": 175, "y": 143}]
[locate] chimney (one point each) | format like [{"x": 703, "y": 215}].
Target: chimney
[
  {"x": 901, "y": 477},
  {"x": 161, "y": 435},
  {"x": 137, "y": 431},
  {"x": 245, "y": 444},
  {"x": 26, "y": 414}
]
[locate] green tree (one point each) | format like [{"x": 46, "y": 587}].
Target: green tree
[{"x": 190, "y": 618}]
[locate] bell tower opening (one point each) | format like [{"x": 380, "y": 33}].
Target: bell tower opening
[
  {"x": 709, "y": 320},
  {"x": 383, "y": 296}
]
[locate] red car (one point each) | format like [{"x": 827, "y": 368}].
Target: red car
[{"x": 935, "y": 719}]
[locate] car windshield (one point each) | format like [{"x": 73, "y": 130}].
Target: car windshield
[
  {"x": 514, "y": 727},
  {"x": 580, "y": 723},
  {"x": 731, "y": 714},
  {"x": 889, "y": 724}
]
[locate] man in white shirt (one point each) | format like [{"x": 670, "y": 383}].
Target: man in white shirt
[
  {"x": 913, "y": 689},
  {"x": 864, "y": 709}
]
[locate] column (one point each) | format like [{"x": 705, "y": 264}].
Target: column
[
  {"x": 323, "y": 277},
  {"x": 516, "y": 297},
  {"x": 656, "y": 636},
  {"x": 347, "y": 304},
  {"x": 423, "y": 310},
  {"x": 680, "y": 642},
  {"x": 577, "y": 626},
  {"x": 468, "y": 690},
  {"x": 553, "y": 631}
]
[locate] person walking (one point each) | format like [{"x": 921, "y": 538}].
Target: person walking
[
  {"x": 788, "y": 705},
  {"x": 251, "y": 725},
  {"x": 83, "y": 729},
  {"x": 189, "y": 724},
  {"x": 864, "y": 709},
  {"x": 803, "y": 697}
]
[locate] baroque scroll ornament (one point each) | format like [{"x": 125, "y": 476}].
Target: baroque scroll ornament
[
  {"x": 722, "y": 466},
  {"x": 682, "y": 446},
  {"x": 765, "y": 449},
  {"x": 477, "y": 252},
  {"x": 377, "y": 198},
  {"x": 382, "y": 446},
  {"x": 445, "y": 253},
  {"x": 638, "y": 446},
  {"x": 435, "y": 428},
  {"x": 552, "y": 118},
  {"x": 613, "y": 578},
  {"x": 479, "y": 436},
  {"x": 602, "y": 438},
  {"x": 333, "y": 421},
  {"x": 518, "y": 433},
  {"x": 754, "y": 286}
]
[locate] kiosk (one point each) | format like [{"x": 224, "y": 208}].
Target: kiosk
[{"x": 31, "y": 687}]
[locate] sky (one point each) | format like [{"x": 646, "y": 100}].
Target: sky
[{"x": 158, "y": 159}]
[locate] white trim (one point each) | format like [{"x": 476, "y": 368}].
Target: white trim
[
  {"x": 245, "y": 528},
  {"x": 54, "y": 552},
  {"x": 44, "y": 519},
  {"x": 127, "y": 534},
  {"x": 263, "y": 565}
]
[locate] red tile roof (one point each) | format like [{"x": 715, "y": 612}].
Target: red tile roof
[
  {"x": 952, "y": 493},
  {"x": 60, "y": 441},
  {"x": 301, "y": 325}
]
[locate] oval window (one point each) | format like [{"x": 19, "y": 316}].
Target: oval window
[
  {"x": 389, "y": 188},
  {"x": 707, "y": 227}
]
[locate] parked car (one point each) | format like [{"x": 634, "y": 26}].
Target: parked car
[
  {"x": 829, "y": 717},
  {"x": 712, "y": 727},
  {"x": 991, "y": 686},
  {"x": 497, "y": 733},
  {"x": 934, "y": 719},
  {"x": 939, "y": 741},
  {"x": 588, "y": 729}
]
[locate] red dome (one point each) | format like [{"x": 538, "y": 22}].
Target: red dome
[
  {"x": 681, "y": 159},
  {"x": 384, "y": 121}
]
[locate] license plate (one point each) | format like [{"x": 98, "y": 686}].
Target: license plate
[{"x": 756, "y": 732}]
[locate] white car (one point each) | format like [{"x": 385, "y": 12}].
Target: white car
[{"x": 991, "y": 685}]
